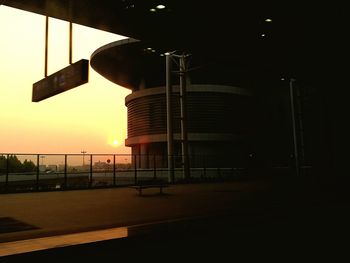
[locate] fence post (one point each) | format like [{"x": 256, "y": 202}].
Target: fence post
[
  {"x": 37, "y": 172},
  {"x": 65, "y": 171},
  {"x": 7, "y": 171},
  {"x": 114, "y": 170},
  {"x": 135, "y": 169},
  {"x": 90, "y": 176}
]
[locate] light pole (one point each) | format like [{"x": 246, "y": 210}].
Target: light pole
[
  {"x": 169, "y": 110},
  {"x": 83, "y": 152},
  {"x": 183, "y": 112}
]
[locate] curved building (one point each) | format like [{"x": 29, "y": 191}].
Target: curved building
[
  {"x": 218, "y": 112},
  {"x": 215, "y": 123}
]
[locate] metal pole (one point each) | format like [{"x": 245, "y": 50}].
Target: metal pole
[
  {"x": 37, "y": 172},
  {"x": 83, "y": 152},
  {"x": 170, "y": 136},
  {"x": 65, "y": 171},
  {"x": 114, "y": 169},
  {"x": 90, "y": 177},
  {"x": 70, "y": 42},
  {"x": 46, "y": 43},
  {"x": 295, "y": 142},
  {"x": 70, "y": 11},
  {"x": 184, "y": 137},
  {"x": 7, "y": 170}
]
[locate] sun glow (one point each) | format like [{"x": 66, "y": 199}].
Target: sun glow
[{"x": 115, "y": 140}]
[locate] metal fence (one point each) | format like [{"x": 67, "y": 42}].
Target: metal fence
[{"x": 49, "y": 172}]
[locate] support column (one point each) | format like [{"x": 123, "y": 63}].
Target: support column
[
  {"x": 169, "y": 109},
  {"x": 144, "y": 156},
  {"x": 46, "y": 45}
]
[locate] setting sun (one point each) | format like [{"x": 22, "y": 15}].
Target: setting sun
[{"x": 115, "y": 142}]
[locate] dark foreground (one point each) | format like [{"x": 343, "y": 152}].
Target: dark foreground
[
  {"x": 213, "y": 239},
  {"x": 301, "y": 222}
]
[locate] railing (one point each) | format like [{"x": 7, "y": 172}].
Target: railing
[{"x": 48, "y": 172}]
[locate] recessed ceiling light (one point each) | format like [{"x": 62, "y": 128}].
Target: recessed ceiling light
[
  {"x": 153, "y": 10},
  {"x": 268, "y": 20},
  {"x": 263, "y": 35},
  {"x": 160, "y": 6}
]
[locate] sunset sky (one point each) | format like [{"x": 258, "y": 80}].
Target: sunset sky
[{"x": 91, "y": 117}]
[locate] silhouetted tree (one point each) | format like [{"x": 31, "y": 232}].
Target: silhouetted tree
[
  {"x": 13, "y": 164},
  {"x": 2, "y": 164},
  {"x": 28, "y": 166}
]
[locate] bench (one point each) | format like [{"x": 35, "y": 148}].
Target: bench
[{"x": 150, "y": 183}]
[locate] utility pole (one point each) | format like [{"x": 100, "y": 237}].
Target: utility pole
[{"x": 183, "y": 108}]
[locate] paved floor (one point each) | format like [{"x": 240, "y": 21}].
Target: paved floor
[
  {"x": 248, "y": 211},
  {"x": 75, "y": 211}
]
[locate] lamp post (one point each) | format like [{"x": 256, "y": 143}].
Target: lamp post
[
  {"x": 83, "y": 152},
  {"x": 183, "y": 112},
  {"x": 170, "y": 135}
]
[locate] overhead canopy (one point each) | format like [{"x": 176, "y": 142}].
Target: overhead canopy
[{"x": 284, "y": 39}]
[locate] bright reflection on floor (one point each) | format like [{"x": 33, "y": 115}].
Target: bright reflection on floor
[{"x": 29, "y": 245}]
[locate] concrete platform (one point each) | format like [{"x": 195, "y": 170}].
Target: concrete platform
[{"x": 204, "y": 215}]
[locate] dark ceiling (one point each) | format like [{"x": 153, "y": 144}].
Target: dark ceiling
[{"x": 300, "y": 41}]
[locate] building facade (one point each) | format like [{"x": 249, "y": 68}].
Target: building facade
[{"x": 218, "y": 125}]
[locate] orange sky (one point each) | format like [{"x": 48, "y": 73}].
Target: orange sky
[{"x": 90, "y": 117}]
